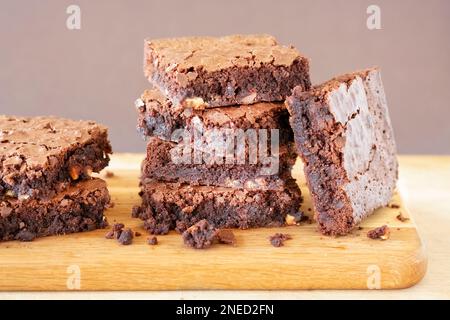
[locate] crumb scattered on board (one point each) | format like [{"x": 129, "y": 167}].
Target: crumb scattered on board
[
  {"x": 152, "y": 241},
  {"x": 402, "y": 218},
  {"x": 124, "y": 237},
  {"x": 382, "y": 233},
  {"x": 226, "y": 236},
  {"x": 393, "y": 206},
  {"x": 203, "y": 235},
  {"x": 277, "y": 240}
]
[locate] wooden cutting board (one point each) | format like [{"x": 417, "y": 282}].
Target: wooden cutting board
[{"x": 88, "y": 261}]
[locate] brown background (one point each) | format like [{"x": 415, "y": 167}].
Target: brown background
[{"x": 96, "y": 72}]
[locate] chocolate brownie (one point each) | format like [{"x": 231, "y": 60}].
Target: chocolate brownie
[
  {"x": 343, "y": 134},
  {"x": 167, "y": 206},
  {"x": 162, "y": 164},
  {"x": 203, "y": 72},
  {"x": 158, "y": 116},
  {"x": 41, "y": 156},
  {"x": 76, "y": 209}
]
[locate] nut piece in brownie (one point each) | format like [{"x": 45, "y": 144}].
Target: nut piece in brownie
[
  {"x": 343, "y": 134},
  {"x": 40, "y": 156},
  {"x": 158, "y": 116},
  {"x": 167, "y": 206},
  {"x": 162, "y": 164},
  {"x": 78, "y": 208},
  {"x": 202, "y": 72}
]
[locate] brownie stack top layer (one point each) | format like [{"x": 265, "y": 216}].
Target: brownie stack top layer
[
  {"x": 343, "y": 133},
  {"x": 167, "y": 206},
  {"x": 39, "y": 156},
  {"x": 158, "y": 116},
  {"x": 159, "y": 165},
  {"x": 210, "y": 72},
  {"x": 78, "y": 208}
]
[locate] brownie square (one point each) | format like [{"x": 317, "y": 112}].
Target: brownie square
[
  {"x": 158, "y": 116},
  {"x": 159, "y": 165},
  {"x": 203, "y": 72},
  {"x": 167, "y": 206},
  {"x": 41, "y": 156},
  {"x": 343, "y": 134},
  {"x": 78, "y": 208}
]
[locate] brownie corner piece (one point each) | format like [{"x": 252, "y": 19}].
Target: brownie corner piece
[
  {"x": 202, "y": 72},
  {"x": 344, "y": 136},
  {"x": 41, "y": 156},
  {"x": 76, "y": 209}
]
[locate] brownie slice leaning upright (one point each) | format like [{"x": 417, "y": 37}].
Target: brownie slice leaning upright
[
  {"x": 42, "y": 156},
  {"x": 202, "y": 72},
  {"x": 343, "y": 134}
]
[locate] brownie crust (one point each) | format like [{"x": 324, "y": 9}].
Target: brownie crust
[
  {"x": 76, "y": 209},
  {"x": 168, "y": 206},
  {"x": 203, "y": 72},
  {"x": 344, "y": 136},
  {"x": 42, "y": 156},
  {"x": 159, "y": 166}
]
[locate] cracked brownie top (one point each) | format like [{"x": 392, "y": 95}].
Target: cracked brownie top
[{"x": 203, "y": 72}]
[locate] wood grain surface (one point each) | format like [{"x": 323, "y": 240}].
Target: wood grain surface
[{"x": 88, "y": 261}]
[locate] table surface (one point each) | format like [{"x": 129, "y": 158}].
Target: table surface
[{"x": 425, "y": 185}]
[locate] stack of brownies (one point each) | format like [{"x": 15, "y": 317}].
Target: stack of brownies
[
  {"x": 45, "y": 183},
  {"x": 220, "y": 146}
]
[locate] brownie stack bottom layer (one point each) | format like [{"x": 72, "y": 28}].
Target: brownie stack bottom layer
[
  {"x": 168, "y": 206},
  {"x": 79, "y": 208}
]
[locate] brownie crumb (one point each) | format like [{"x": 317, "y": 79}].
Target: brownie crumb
[
  {"x": 277, "y": 240},
  {"x": 393, "y": 206},
  {"x": 126, "y": 237},
  {"x": 200, "y": 235},
  {"x": 152, "y": 241},
  {"x": 109, "y": 234},
  {"x": 402, "y": 218},
  {"x": 360, "y": 228},
  {"x": 226, "y": 236},
  {"x": 25, "y": 235},
  {"x": 137, "y": 234},
  {"x": 382, "y": 233}
]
